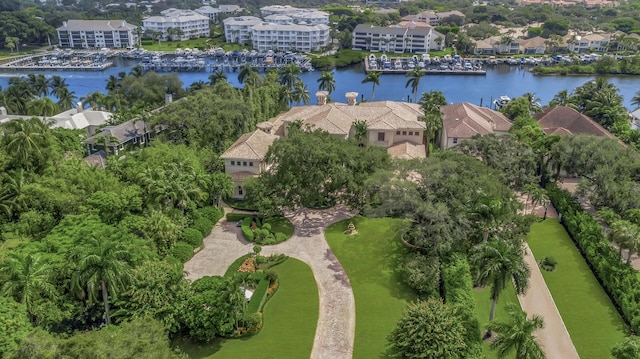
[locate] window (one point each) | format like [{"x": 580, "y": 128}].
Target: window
[
  {"x": 380, "y": 136},
  {"x": 244, "y": 164},
  {"x": 240, "y": 190},
  {"x": 455, "y": 140},
  {"x": 250, "y": 164},
  {"x": 404, "y": 133},
  {"x": 410, "y": 133},
  {"x": 417, "y": 133},
  {"x": 398, "y": 133},
  {"x": 233, "y": 163}
]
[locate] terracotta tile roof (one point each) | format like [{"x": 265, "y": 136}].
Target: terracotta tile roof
[
  {"x": 407, "y": 150},
  {"x": 465, "y": 120},
  {"x": 564, "y": 120},
  {"x": 337, "y": 118},
  {"x": 253, "y": 145}
]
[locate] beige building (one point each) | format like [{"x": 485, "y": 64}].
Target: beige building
[
  {"x": 245, "y": 158},
  {"x": 463, "y": 120}
]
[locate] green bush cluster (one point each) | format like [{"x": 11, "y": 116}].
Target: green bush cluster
[
  {"x": 192, "y": 236},
  {"x": 182, "y": 251},
  {"x": 246, "y": 229},
  {"x": 205, "y": 218},
  {"x": 235, "y": 217},
  {"x": 263, "y": 234},
  {"x": 203, "y": 225},
  {"x": 618, "y": 279},
  {"x": 458, "y": 291}
]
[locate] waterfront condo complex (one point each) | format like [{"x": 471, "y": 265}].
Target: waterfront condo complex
[
  {"x": 96, "y": 34},
  {"x": 189, "y": 24}
]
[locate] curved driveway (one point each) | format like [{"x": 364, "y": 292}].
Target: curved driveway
[{"x": 336, "y": 320}]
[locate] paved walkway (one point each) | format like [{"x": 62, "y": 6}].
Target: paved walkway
[
  {"x": 336, "y": 320},
  {"x": 553, "y": 337}
]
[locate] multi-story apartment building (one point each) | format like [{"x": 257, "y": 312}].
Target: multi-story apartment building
[
  {"x": 214, "y": 14},
  {"x": 289, "y": 37},
  {"x": 308, "y": 16},
  {"x": 396, "y": 39},
  {"x": 91, "y": 34},
  {"x": 283, "y": 34},
  {"x": 191, "y": 24}
]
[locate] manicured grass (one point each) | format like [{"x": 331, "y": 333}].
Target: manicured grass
[
  {"x": 483, "y": 307},
  {"x": 290, "y": 320},
  {"x": 370, "y": 259},
  {"x": 282, "y": 225},
  {"x": 589, "y": 315}
]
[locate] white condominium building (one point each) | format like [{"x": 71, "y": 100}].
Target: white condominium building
[
  {"x": 308, "y": 16},
  {"x": 91, "y": 34},
  {"x": 396, "y": 39},
  {"x": 278, "y": 33},
  {"x": 238, "y": 29},
  {"x": 290, "y": 37},
  {"x": 191, "y": 23}
]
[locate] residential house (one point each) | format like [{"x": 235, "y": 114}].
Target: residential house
[
  {"x": 97, "y": 34},
  {"x": 587, "y": 43},
  {"x": 433, "y": 18},
  {"x": 484, "y": 47},
  {"x": 245, "y": 158},
  {"x": 533, "y": 46},
  {"x": 563, "y": 120},
  {"x": 113, "y": 139},
  {"x": 635, "y": 119},
  {"x": 75, "y": 119},
  {"x": 497, "y": 45},
  {"x": 461, "y": 121},
  {"x": 396, "y": 126},
  {"x": 396, "y": 39},
  {"x": 191, "y": 23}
]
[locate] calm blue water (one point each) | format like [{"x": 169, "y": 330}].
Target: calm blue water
[{"x": 503, "y": 80}]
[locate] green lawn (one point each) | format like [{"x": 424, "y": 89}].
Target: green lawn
[
  {"x": 290, "y": 320},
  {"x": 370, "y": 258},
  {"x": 589, "y": 315},
  {"x": 483, "y": 307}
]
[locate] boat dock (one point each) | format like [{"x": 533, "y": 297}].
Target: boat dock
[
  {"x": 435, "y": 66},
  {"x": 68, "y": 60}
]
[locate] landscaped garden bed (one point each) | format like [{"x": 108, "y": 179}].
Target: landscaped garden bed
[
  {"x": 591, "y": 319},
  {"x": 370, "y": 259},
  {"x": 272, "y": 230},
  {"x": 283, "y": 335}
]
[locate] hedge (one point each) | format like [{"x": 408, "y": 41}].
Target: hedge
[
  {"x": 204, "y": 225},
  {"x": 213, "y": 214},
  {"x": 619, "y": 280},
  {"x": 259, "y": 297},
  {"x": 192, "y": 236},
  {"x": 458, "y": 291},
  {"x": 182, "y": 251},
  {"x": 235, "y": 217},
  {"x": 246, "y": 228}
]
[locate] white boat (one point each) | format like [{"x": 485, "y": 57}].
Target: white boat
[
  {"x": 501, "y": 101},
  {"x": 411, "y": 65}
]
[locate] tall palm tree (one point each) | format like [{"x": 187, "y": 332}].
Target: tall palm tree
[
  {"x": 326, "y": 82},
  {"x": 431, "y": 103},
  {"x": 66, "y": 99},
  {"x": 289, "y": 74},
  {"x": 102, "y": 268},
  {"x": 44, "y": 107},
  {"x": 534, "y": 102},
  {"x": 301, "y": 92},
  {"x": 136, "y": 71},
  {"x": 488, "y": 213},
  {"x": 516, "y": 334},
  {"x": 24, "y": 139},
  {"x": 374, "y": 78},
  {"x": 253, "y": 79},
  {"x": 217, "y": 77},
  {"x": 58, "y": 85},
  {"x": 96, "y": 100},
  {"x": 245, "y": 71},
  {"x": 26, "y": 278},
  {"x": 113, "y": 83},
  {"x": 498, "y": 263},
  {"x": 626, "y": 235},
  {"x": 39, "y": 84},
  {"x": 414, "y": 81}
]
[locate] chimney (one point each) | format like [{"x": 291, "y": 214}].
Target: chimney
[
  {"x": 322, "y": 97},
  {"x": 168, "y": 98},
  {"x": 351, "y": 98},
  {"x": 79, "y": 107}
]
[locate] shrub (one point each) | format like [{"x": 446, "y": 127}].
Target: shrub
[
  {"x": 182, "y": 251},
  {"x": 257, "y": 249},
  {"x": 261, "y": 260},
  {"x": 618, "y": 279},
  {"x": 192, "y": 236},
  {"x": 246, "y": 229},
  {"x": 203, "y": 225},
  {"x": 213, "y": 214},
  {"x": 271, "y": 276},
  {"x": 422, "y": 274},
  {"x": 281, "y": 237},
  {"x": 548, "y": 263},
  {"x": 266, "y": 226}
]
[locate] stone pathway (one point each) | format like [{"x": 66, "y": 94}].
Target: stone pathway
[
  {"x": 553, "y": 337},
  {"x": 335, "y": 331}
]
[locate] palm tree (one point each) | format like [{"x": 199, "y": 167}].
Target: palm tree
[
  {"x": 374, "y": 78},
  {"x": 136, "y": 71},
  {"x": 113, "y": 83},
  {"x": 534, "y": 102},
  {"x": 517, "y": 335},
  {"x": 360, "y": 127},
  {"x": 431, "y": 103},
  {"x": 289, "y": 75},
  {"x": 40, "y": 84},
  {"x": 24, "y": 139},
  {"x": 58, "y": 85},
  {"x": 626, "y": 235},
  {"x": 414, "y": 81},
  {"x": 26, "y": 278},
  {"x": 253, "y": 79},
  {"x": 245, "y": 71},
  {"x": 217, "y": 77},
  {"x": 66, "y": 99},
  {"x": 102, "y": 267},
  {"x": 96, "y": 100},
  {"x": 538, "y": 196},
  {"x": 498, "y": 263},
  {"x": 488, "y": 212},
  {"x": 44, "y": 107},
  {"x": 326, "y": 82},
  {"x": 635, "y": 101},
  {"x": 301, "y": 93}
]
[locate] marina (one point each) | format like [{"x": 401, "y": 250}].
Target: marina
[
  {"x": 448, "y": 65},
  {"x": 68, "y": 60}
]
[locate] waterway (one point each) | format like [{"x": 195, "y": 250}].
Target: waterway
[{"x": 501, "y": 80}]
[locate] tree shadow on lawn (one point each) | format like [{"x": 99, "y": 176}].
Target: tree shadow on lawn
[{"x": 339, "y": 273}]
